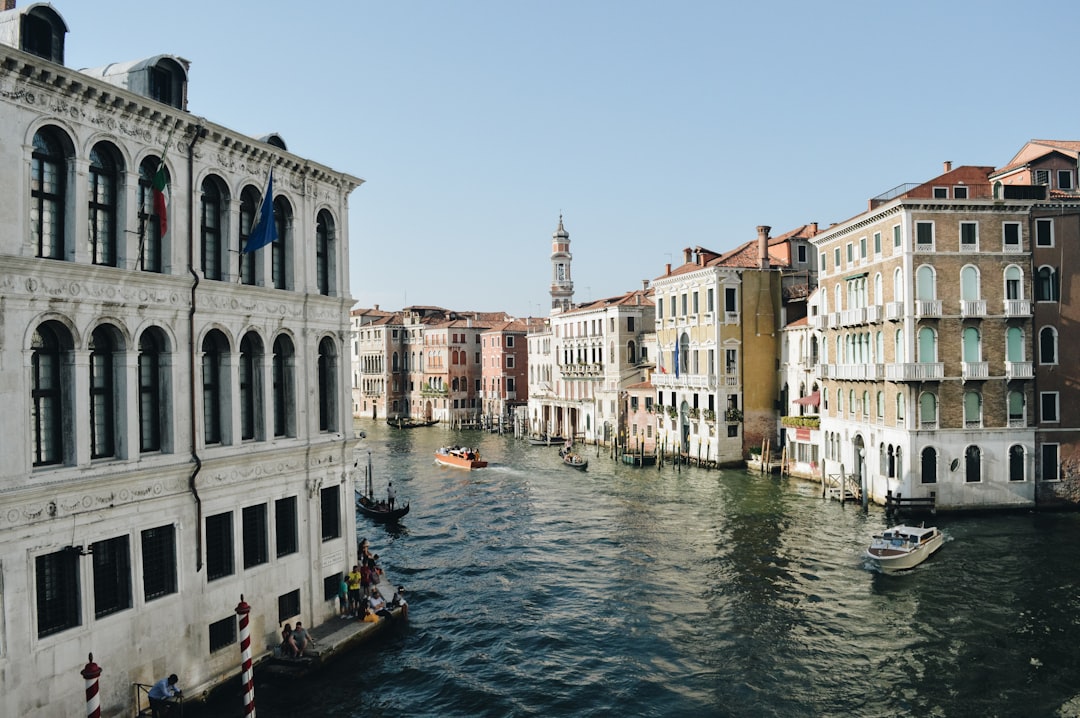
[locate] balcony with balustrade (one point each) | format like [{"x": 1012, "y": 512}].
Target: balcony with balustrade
[
  {"x": 915, "y": 371},
  {"x": 581, "y": 370},
  {"x": 685, "y": 381},
  {"x": 972, "y": 308},
  {"x": 873, "y": 314},
  {"x": 894, "y": 311},
  {"x": 928, "y": 309},
  {"x": 853, "y": 372},
  {"x": 1017, "y": 307},
  {"x": 975, "y": 370},
  {"x": 1018, "y": 370},
  {"x": 853, "y": 317}
]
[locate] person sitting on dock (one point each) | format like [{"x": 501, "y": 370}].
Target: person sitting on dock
[
  {"x": 162, "y": 696},
  {"x": 398, "y": 601},
  {"x": 301, "y": 638},
  {"x": 288, "y": 643},
  {"x": 378, "y": 604}
]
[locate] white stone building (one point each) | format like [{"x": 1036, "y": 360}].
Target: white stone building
[{"x": 177, "y": 425}]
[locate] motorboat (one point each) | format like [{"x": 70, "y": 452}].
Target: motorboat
[
  {"x": 903, "y": 546},
  {"x": 460, "y": 457}
]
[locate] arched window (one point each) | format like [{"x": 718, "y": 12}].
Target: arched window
[
  {"x": 929, "y": 465},
  {"x": 879, "y": 296},
  {"x": 900, "y": 407},
  {"x": 839, "y": 402},
  {"x": 684, "y": 353},
  {"x": 1014, "y": 282},
  {"x": 925, "y": 286},
  {"x": 327, "y": 385},
  {"x": 881, "y": 406},
  {"x": 153, "y": 388},
  {"x": 51, "y": 380},
  {"x": 969, "y": 283},
  {"x": 284, "y": 388},
  {"x": 866, "y": 404},
  {"x": 1046, "y": 285},
  {"x": 153, "y": 216},
  {"x": 251, "y": 387},
  {"x": 928, "y": 410},
  {"x": 105, "y": 347},
  {"x": 48, "y": 184},
  {"x": 324, "y": 252},
  {"x": 1048, "y": 345},
  {"x": 215, "y": 383},
  {"x": 281, "y": 248},
  {"x": 852, "y": 406},
  {"x": 212, "y": 227},
  {"x": 898, "y": 285},
  {"x": 104, "y": 180},
  {"x": 249, "y": 206},
  {"x": 839, "y": 299},
  {"x": 899, "y": 353},
  {"x": 927, "y": 345},
  {"x": 1017, "y": 404},
  {"x": 972, "y": 348},
  {"x": 1014, "y": 344},
  {"x": 972, "y": 410},
  {"x": 972, "y": 464},
  {"x": 394, "y": 362},
  {"x": 631, "y": 352},
  {"x": 1016, "y": 463}
]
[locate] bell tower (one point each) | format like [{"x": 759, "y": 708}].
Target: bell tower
[{"x": 562, "y": 287}]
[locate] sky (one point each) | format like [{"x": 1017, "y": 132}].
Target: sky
[{"x": 647, "y": 126}]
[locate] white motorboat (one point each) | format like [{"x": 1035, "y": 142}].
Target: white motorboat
[{"x": 904, "y": 546}]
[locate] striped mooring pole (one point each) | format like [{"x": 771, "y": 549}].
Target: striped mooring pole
[
  {"x": 246, "y": 675},
  {"x": 91, "y": 673}
]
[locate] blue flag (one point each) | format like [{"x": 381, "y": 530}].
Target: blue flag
[
  {"x": 676, "y": 358},
  {"x": 263, "y": 227}
]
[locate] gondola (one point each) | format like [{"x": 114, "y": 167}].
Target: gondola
[
  {"x": 406, "y": 422},
  {"x": 575, "y": 461},
  {"x": 378, "y": 511}
]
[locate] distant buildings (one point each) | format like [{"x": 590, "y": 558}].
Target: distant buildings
[{"x": 176, "y": 433}]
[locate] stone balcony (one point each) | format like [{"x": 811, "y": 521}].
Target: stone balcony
[
  {"x": 685, "y": 381},
  {"x": 975, "y": 370},
  {"x": 915, "y": 371},
  {"x": 972, "y": 308},
  {"x": 1017, "y": 307},
  {"x": 1018, "y": 370},
  {"x": 928, "y": 309}
]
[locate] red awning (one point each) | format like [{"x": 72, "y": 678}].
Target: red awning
[{"x": 809, "y": 400}]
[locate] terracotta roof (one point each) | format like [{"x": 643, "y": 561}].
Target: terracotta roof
[
  {"x": 800, "y": 322},
  {"x": 641, "y": 385},
  {"x": 628, "y": 299}
]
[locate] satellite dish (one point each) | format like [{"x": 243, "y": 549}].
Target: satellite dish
[{"x": 955, "y": 463}]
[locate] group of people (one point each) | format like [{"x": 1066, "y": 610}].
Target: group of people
[
  {"x": 294, "y": 641},
  {"x": 359, "y": 595}
]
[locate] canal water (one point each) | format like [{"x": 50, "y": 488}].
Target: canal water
[{"x": 538, "y": 590}]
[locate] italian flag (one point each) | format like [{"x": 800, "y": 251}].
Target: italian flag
[{"x": 160, "y": 185}]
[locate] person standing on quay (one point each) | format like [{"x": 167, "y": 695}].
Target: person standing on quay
[{"x": 390, "y": 494}]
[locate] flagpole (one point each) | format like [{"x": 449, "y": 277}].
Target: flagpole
[{"x": 142, "y": 223}]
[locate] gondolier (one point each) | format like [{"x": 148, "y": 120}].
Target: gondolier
[{"x": 390, "y": 494}]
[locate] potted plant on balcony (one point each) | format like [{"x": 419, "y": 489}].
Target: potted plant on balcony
[
  {"x": 672, "y": 412},
  {"x": 694, "y": 412},
  {"x": 733, "y": 416},
  {"x": 710, "y": 415}
]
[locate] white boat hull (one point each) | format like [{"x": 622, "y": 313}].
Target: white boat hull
[{"x": 883, "y": 554}]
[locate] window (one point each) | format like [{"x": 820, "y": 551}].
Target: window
[
  {"x": 510, "y": 337},
  {"x": 694, "y": 303},
  {"x": 288, "y": 605},
  {"x": 659, "y": 307},
  {"x": 330, "y": 586},
  {"x": 972, "y": 410},
  {"x": 897, "y": 236},
  {"x": 1017, "y": 412},
  {"x": 1010, "y": 232},
  {"x": 222, "y": 633},
  {"x": 1042, "y": 177},
  {"x": 1016, "y": 462},
  {"x": 167, "y": 80},
  {"x": 972, "y": 464},
  {"x": 928, "y": 410},
  {"x": 324, "y": 252},
  {"x": 730, "y": 299},
  {"x": 969, "y": 235},
  {"x": 279, "y": 248},
  {"x": 862, "y": 248},
  {"x": 249, "y": 207},
  {"x": 929, "y": 465},
  {"x": 103, "y": 393},
  {"x": 214, "y": 380},
  {"x": 850, "y": 252},
  {"x": 925, "y": 284},
  {"x": 1065, "y": 179},
  {"x": 219, "y": 546},
  {"x": 1050, "y": 469},
  {"x": 960, "y": 192},
  {"x": 941, "y": 192},
  {"x": 1044, "y": 233},
  {"x": 57, "y": 581},
  {"x": 824, "y": 262},
  {"x": 971, "y": 345},
  {"x": 327, "y": 385},
  {"x": 152, "y": 215},
  {"x": 256, "y": 551},
  {"x": 103, "y": 177},
  {"x": 1046, "y": 284},
  {"x": 284, "y": 387},
  {"x": 1048, "y": 345},
  {"x": 212, "y": 208},
  {"x": 152, "y": 383},
  {"x": 924, "y": 235},
  {"x": 50, "y": 414},
  {"x": 877, "y": 242},
  {"x": 112, "y": 576},
  {"x": 510, "y": 387},
  {"x": 251, "y": 394},
  {"x": 42, "y": 36},
  {"x": 331, "y": 513},
  {"x": 800, "y": 254},
  {"x": 836, "y": 258},
  {"x": 1013, "y": 282},
  {"x": 510, "y": 361},
  {"x": 158, "y": 562},
  {"x": 48, "y": 183},
  {"x": 285, "y": 525},
  {"x": 1048, "y": 407}
]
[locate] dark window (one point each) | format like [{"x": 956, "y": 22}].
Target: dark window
[
  {"x": 510, "y": 338},
  {"x": 256, "y": 550},
  {"x": 285, "y": 525},
  {"x": 150, "y": 234},
  {"x": 1065, "y": 179},
  {"x": 730, "y": 304},
  {"x": 732, "y": 430},
  {"x": 1016, "y": 462},
  {"x": 283, "y": 383},
  {"x": 40, "y": 37},
  {"x": 1049, "y": 468},
  {"x": 249, "y": 203},
  {"x": 972, "y": 464},
  {"x": 1047, "y": 346},
  {"x": 1048, "y": 401},
  {"x": 1044, "y": 233},
  {"x": 151, "y": 393},
  {"x": 48, "y": 173},
  {"x": 219, "y": 546},
  {"x": 210, "y": 228},
  {"x": 1046, "y": 285},
  {"x": 288, "y": 605},
  {"x": 222, "y": 633},
  {"x": 279, "y": 271},
  {"x": 324, "y": 243},
  {"x": 159, "y": 562},
  {"x": 48, "y": 414},
  {"x": 102, "y": 176},
  {"x": 112, "y": 576},
  {"x": 251, "y": 394},
  {"x": 1012, "y": 234},
  {"x": 897, "y": 237},
  {"x": 969, "y": 234},
  {"x": 331, "y": 513},
  {"x": 331, "y": 584},
  {"x": 941, "y": 193},
  {"x": 213, "y": 379},
  {"x": 960, "y": 192},
  {"x": 924, "y": 233},
  {"x": 327, "y": 386},
  {"x": 57, "y": 576},
  {"x": 929, "y": 465},
  {"x": 162, "y": 87},
  {"x": 102, "y": 394}
]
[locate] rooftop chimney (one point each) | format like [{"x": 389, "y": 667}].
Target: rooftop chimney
[
  {"x": 644, "y": 284},
  {"x": 763, "y": 245},
  {"x": 948, "y": 165},
  {"x": 813, "y": 229},
  {"x": 667, "y": 268},
  {"x": 687, "y": 255}
]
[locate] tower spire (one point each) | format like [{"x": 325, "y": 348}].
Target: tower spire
[{"x": 562, "y": 287}]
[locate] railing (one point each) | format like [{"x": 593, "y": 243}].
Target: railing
[
  {"x": 833, "y": 320},
  {"x": 852, "y": 317},
  {"x": 818, "y": 321},
  {"x": 873, "y": 314},
  {"x": 928, "y": 425},
  {"x": 1017, "y": 307},
  {"x": 975, "y": 370},
  {"x": 1018, "y": 370},
  {"x": 928, "y": 308},
  {"x": 684, "y": 381},
  {"x": 1014, "y": 423},
  {"x": 894, "y": 311},
  {"x": 915, "y": 371},
  {"x": 731, "y": 317},
  {"x": 972, "y": 308}
]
